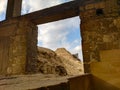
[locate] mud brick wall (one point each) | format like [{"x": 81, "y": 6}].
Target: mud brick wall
[
  {"x": 100, "y": 28},
  {"x": 18, "y": 46}
]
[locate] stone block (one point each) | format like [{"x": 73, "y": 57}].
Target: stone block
[{"x": 16, "y": 32}]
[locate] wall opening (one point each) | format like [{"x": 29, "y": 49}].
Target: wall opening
[{"x": 62, "y": 34}]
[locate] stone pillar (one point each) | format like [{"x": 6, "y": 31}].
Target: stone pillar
[
  {"x": 100, "y": 28},
  {"x": 13, "y": 8},
  {"x": 18, "y": 41}
]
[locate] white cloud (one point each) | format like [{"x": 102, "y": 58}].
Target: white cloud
[
  {"x": 77, "y": 49},
  {"x": 56, "y": 32},
  {"x": 3, "y": 6},
  {"x": 54, "y": 35},
  {"x": 40, "y": 4}
]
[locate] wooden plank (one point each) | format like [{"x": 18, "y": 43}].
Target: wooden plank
[
  {"x": 62, "y": 11},
  {"x": 55, "y": 13}
]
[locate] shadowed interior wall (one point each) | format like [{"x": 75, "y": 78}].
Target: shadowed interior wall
[
  {"x": 100, "y": 29},
  {"x": 82, "y": 82}
]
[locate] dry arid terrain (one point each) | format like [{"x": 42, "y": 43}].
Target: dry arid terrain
[
  {"x": 72, "y": 64},
  {"x": 60, "y": 62}
]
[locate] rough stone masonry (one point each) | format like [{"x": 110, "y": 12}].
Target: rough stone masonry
[
  {"x": 18, "y": 46},
  {"x": 100, "y": 28}
]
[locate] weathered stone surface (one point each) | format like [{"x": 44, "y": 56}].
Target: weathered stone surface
[
  {"x": 101, "y": 43},
  {"x": 30, "y": 82},
  {"x": 20, "y": 45},
  {"x": 45, "y": 82}
]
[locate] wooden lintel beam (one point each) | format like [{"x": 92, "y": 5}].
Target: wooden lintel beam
[
  {"x": 59, "y": 12},
  {"x": 55, "y": 13}
]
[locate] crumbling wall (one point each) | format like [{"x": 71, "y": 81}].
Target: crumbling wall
[
  {"x": 19, "y": 39},
  {"x": 100, "y": 28}
]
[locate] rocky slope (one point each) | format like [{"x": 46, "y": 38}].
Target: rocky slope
[
  {"x": 72, "y": 64},
  {"x": 49, "y": 62},
  {"x": 60, "y": 62}
]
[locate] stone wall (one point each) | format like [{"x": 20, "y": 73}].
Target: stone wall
[
  {"x": 17, "y": 37},
  {"x": 100, "y": 28}
]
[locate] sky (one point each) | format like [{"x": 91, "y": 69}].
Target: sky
[{"x": 59, "y": 34}]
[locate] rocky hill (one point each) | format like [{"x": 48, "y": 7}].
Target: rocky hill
[
  {"x": 49, "y": 62},
  {"x": 60, "y": 62},
  {"x": 72, "y": 64}
]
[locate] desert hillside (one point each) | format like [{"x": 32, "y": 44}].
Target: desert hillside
[
  {"x": 72, "y": 64},
  {"x": 60, "y": 62},
  {"x": 49, "y": 62}
]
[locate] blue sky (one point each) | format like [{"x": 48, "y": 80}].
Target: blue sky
[{"x": 63, "y": 33}]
